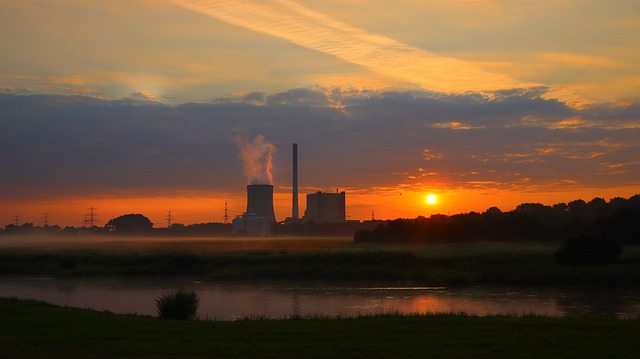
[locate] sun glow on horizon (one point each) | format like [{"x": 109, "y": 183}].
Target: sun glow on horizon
[
  {"x": 431, "y": 199},
  {"x": 388, "y": 204}
]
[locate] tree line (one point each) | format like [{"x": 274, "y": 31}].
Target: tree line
[
  {"x": 128, "y": 224},
  {"x": 618, "y": 219},
  {"x": 138, "y": 224}
]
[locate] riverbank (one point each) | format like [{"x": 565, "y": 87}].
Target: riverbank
[
  {"x": 34, "y": 330},
  {"x": 484, "y": 263}
]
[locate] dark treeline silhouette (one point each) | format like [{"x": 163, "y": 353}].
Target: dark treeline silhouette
[
  {"x": 128, "y": 224},
  {"x": 618, "y": 219},
  {"x": 137, "y": 224}
]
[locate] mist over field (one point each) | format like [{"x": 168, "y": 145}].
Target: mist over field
[{"x": 47, "y": 242}]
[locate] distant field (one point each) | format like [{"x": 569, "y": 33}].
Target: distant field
[
  {"x": 526, "y": 263},
  {"x": 189, "y": 244}
]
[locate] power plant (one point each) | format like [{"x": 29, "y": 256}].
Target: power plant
[
  {"x": 260, "y": 201},
  {"x": 325, "y": 207},
  {"x": 257, "y": 220}
]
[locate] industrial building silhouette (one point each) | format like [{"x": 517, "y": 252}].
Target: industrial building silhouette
[
  {"x": 325, "y": 207},
  {"x": 321, "y": 207}
]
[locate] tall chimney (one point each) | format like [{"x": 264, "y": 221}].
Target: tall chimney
[
  {"x": 260, "y": 200},
  {"x": 294, "y": 205}
]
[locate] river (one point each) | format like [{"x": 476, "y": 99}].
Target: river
[{"x": 237, "y": 300}]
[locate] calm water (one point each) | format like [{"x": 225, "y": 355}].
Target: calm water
[{"x": 228, "y": 301}]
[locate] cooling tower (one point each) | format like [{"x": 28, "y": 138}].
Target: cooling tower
[{"x": 260, "y": 200}]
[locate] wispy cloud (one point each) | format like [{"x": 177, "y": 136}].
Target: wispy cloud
[
  {"x": 455, "y": 125},
  {"x": 71, "y": 85},
  {"x": 308, "y": 28}
]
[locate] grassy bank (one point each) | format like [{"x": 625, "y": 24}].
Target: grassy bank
[
  {"x": 37, "y": 330},
  {"x": 441, "y": 264}
]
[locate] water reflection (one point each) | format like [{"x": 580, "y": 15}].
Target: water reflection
[
  {"x": 228, "y": 301},
  {"x": 607, "y": 303}
]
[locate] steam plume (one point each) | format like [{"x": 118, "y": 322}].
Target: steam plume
[{"x": 256, "y": 157}]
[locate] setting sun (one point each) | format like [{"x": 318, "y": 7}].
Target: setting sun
[{"x": 431, "y": 198}]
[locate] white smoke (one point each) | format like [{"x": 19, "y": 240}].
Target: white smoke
[{"x": 256, "y": 157}]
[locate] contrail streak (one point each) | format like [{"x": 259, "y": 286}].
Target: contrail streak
[{"x": 305, "y": 27}]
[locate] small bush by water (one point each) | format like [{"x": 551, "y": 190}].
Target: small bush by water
[
  {"x": 586, "y": 250},
  {"x": 181, "y": 305}
]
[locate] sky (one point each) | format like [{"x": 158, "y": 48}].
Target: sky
[{"x": 142, "y": 106}]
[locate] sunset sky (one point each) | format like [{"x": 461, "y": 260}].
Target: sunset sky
[{"x": 136, "y": 106}]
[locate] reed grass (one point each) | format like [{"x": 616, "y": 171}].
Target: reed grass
[{"x": 180, "y": 305}]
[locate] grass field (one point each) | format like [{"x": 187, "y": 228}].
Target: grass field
[
  {"x": 310, "y": 259},
  {"x": 36, "y": 330}
]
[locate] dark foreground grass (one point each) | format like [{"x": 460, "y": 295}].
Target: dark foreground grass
[{"x": 36, "y": 330}]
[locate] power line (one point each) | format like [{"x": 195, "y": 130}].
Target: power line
[
  {"x": 169, "y": 219},
  {"x": 90, "y": 218},
  {"x": 226, "y": 213}
]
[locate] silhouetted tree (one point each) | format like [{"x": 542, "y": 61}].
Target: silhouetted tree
[
  {"x": 493, "y": 211},
  {"x": 130, "y": 224},
  {"x": 70, "y": 230},
  {"x": 23, "y": 228},
  {"x": 625, "y": 225},
  {"x": 577, "y": 207},
  {"x": 561, "y": 207},
  {"x": 587, "y": 250}
]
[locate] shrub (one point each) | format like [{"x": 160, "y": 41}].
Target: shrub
[
  {"x": 586, "y": 250},
  {"x": 181, "y": 305},
  {"x": 67, "y": 263}
]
